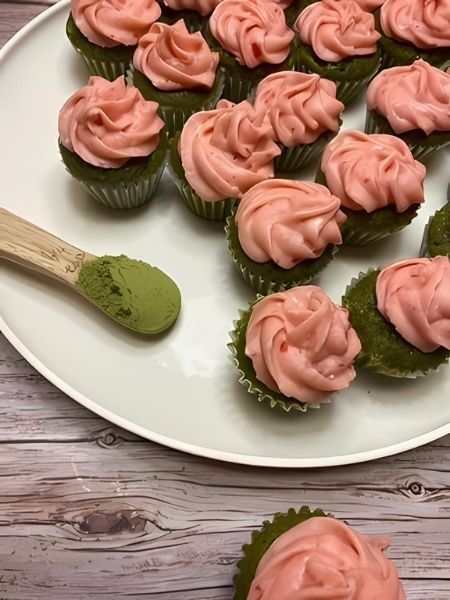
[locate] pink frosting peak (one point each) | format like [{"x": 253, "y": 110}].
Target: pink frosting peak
[
  {"x": 424, "y": 23},
  {"x": 300, "y": 106},
  {"x": 324, "y": 558},
  {"x": 226, "y": 151},
  {"x": 337, "y": 29},
  {"x": 416, "y": 96},
  {"x": 254, "y": 31},
  {"x": 288, "y": 221},
  {"x": 174, "y": 59},
  {"x": 369, "y": 172},
  {"x": 109, "y": 23},
  {"x": 107, "y": 123},
  {"x": 301, "y": 344},
  {"x": 204, "y": 7},
  {"x": 414, "y": 296}
]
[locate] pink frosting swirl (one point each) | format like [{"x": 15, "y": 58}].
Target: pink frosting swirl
[
  {"x": 300, "y": 106},
  {"x": 107, "y": 123},
  {"x": 369, "y": 172},
  {"x": 109, "y": 23},
  {"x": 226, "y": 151},
  {"x": 302, "y": 344},
  {"x": 416, "y": 96},
  {"x": 325, "y": 558},
  {"x": 254, "y": 31},
  {"x": 337, "y": 29},
  {"x": 424, "y": 23},
  {"x": 414, "y": 296},
  {"x": 174, "y": 59},
  {"x": 288, "y": 221},
  {"x": 203, "y": 7}
]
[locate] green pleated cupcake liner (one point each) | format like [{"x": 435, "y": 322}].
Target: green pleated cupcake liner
[
  {"x": 175, "y": 108},
  {"x": 436, "y": 235},
  {"x": 396, "y": 54},
  {"x": 421, "y": 145},
  {"x": 383, "y": 350},
  {"x": 129, "y": 186},
  {"x": 268, "y": 277},
  {"x": 297, "y": 157},
  {"x": 193, "y": 20},
  {"x": 109, "y": 63},
  {"x": 261, "y": 541},
  {"x": 247, "y": 375}
]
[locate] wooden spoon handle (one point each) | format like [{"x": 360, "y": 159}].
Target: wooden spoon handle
[{"x": 30, "y": 246}]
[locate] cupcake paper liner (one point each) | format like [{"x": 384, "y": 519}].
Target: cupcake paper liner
[
  {"x": 362, "y": 228},
  {"x": 269, "y": 277},
  {"x": 247, "y": 375},
  {"x": 436, "y": 235},
  {"x": 350, "y": 75},
  {"x": 109, "y": 63},
  {"x": 396, "y": 53},
  {"x": 297, "y": 157},
  {"x": 129, "y": 186},
  {"x": 261, "y": 541},
  {"x": 193, "y": 20},
  {"x": 384, "y": 351},
  {"x": 176, "y": 107},
  {"x": 213, "y": 211},
  {"x": 421, "y": 145}
]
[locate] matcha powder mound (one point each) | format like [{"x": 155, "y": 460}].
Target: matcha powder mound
[{"x": 132, "y": 292}]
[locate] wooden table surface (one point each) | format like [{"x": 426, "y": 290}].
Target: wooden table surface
[{"x": 90, "y": 511}]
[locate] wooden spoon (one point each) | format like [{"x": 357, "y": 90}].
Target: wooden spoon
[{"x": 156, "y": 296}]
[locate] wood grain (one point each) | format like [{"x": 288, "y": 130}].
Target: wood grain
[{"x": 90, "y": 511}]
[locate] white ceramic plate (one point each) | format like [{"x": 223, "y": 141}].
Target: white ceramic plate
[{"x": 180, "y": 390}]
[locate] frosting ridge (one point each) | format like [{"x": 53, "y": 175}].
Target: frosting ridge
[{"x": 302, "y": 344}]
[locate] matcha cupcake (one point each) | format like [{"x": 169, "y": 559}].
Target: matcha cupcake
[
  {"x": 306, "y": 554},
  {"x": 253, "y": 40},
  {"x": 285, "y": 349},
  {"x": 284, "y": 233},
  {"x": 178, "y": 70},
  {"x": 111, "y": 140},
  {"x": 338, "y": 41},
  {"x": 415, "y": 29},
  {"x": 195, "y": 13},
  {"x": 411, "y": 102},
  {"x": 304, "y": 113},
  {"x": 436, "y": 237},
  {"x": 378, "y": 182},
  {"x": 402, "y": 316},
  {"x": 219, "y": 155},
  {"x": 105, "y": 32}
]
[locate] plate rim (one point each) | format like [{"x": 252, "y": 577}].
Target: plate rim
[{"x": 230, "y": 457}]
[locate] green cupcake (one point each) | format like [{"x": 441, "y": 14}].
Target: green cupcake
[
  {"x": 280, "y": 353},
  {"x": 358, "y": 58},
  {"x": 411, "y": 102},
  {"x": 106, "y": 39},
  {"x": 290, "y": 232},
  {"x": 436, "y": 236},
  {"x": 354, "y": 169},
  {"x": 120, "y": 171},
  {"x": 397, "y": 347},
  {"x": 195, "y": 13},
  {"x": 181, "y": 87},
  {"x": 246, "y": 59}
]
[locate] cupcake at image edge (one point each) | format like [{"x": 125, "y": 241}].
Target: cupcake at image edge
[
  {"x": 195, "y": 13},
  {"x": 415, "y": 29},
  {"x": 411, "y": 102},
  {"x": 178, "y": 70},
  {"x": 307, "y": 554},
  {"x": 294, "y": 349},
  {"x": 284, "y": 233},
  {"x": 105, "y": 32},
  {"x": 253, "y": 40},
  {"x": 304, "y": 113},
  {"x": 338, "y": 41},
  {"x": 378, "y": 182},
  {"x": 402, "y": 316},
  {"x": 111, "y": 141},
  {"x": 436, "y": 236},
  {"x": 219, "y": 155}
]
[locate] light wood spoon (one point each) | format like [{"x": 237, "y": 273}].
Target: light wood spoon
[{"x": 151, "y": 300}]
